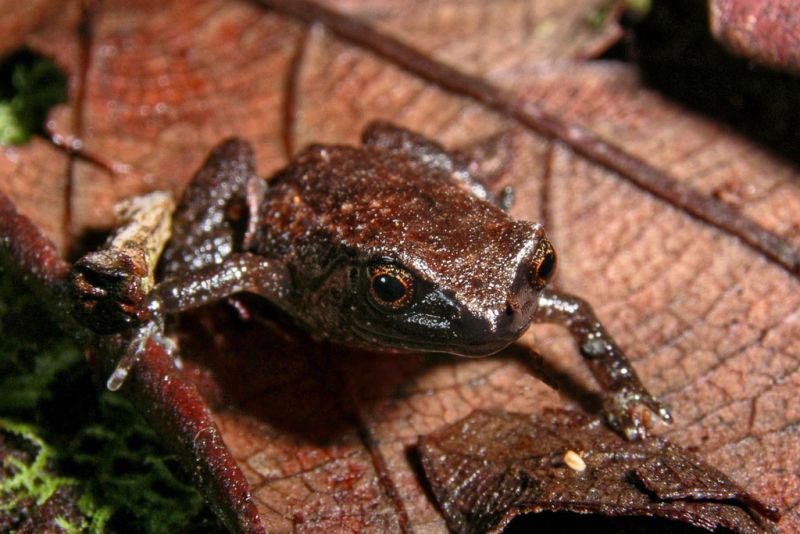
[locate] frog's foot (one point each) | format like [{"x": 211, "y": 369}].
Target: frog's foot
[
  {"x": 112, "y": 297},
  {"x": 110, "y": 288},
  {"x": 112, "y": 285},
  {"x": 627, "y": 410},
  {"x": 150, "y": 331}
]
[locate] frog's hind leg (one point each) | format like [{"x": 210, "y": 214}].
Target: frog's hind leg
[
  {"x": 208, "y": 223},
  {"x": 489, "y": 160}
]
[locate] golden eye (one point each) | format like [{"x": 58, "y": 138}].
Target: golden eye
[
  {"x": 544, "y": 264},
  {"x": 391, "y": 286}
]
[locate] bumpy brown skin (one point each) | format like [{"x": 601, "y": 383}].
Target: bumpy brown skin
[
  {"x": 319, "y": 238},
  {"x": 337, "y": 210}
]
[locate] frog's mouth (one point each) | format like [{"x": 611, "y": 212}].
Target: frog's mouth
[{"x": 460, "y": 347}]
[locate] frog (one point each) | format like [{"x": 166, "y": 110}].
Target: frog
[{"x": 395, "y": 245}]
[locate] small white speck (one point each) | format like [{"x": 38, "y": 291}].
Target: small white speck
[
  {"x": 574, "y": 461},
  {"x": 576, "y": 133}
]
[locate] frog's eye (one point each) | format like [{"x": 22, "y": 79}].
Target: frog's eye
[
  {"x": 391, "y": 286},
  {"x": 544, "y": 264}
]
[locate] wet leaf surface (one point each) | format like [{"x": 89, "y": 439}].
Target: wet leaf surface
[
  {"x": 493, "y": 466},
  {"x": 323, "y": 433}
]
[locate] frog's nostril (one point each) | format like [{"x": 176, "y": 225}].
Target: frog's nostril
[{"x": 512, "y": 305}]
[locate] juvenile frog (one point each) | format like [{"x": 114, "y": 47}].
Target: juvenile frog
[{"x": 393, "y": 245}]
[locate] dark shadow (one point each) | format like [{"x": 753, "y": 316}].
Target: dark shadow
[
  {"x": 88, "y": 241},
  {"x": 677, "y": 56},
  {"x": 564, "y": 383},
  {"x": 270, "y": 371},
  {"x": 277, "y": 374},
  {"x": 415, "y": 461}
]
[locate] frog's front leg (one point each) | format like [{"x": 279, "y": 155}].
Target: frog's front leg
[
  {"x": 207, "y": 228},
  {"x": 238, "y": 272},
  {"x": 624, "y": 390}
]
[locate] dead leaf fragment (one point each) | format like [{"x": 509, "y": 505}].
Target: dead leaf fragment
[
  {"x": 762, "y": 30},
  {"x": 493, "y": 466}
]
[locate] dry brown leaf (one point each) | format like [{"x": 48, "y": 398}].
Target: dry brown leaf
[
  {"x": 323, "y": 433},
  {"x": 492, "y": 467},
  {"x": 17, "y": 19}
]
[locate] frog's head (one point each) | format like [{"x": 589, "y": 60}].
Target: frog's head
[
  {"x": 431, "y": 267},
  {"x": 474, "y": 303}
]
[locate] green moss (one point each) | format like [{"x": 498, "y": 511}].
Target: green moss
[
  {"x": 97, "y": 517},
  {"x": 29, "y": 86},
  {"x": 639, "y": 7},
  {"x": 32, "y": 351},
  {"x": 24, "y": 481},
  {"x": 137, "y": 479},
  {"x": 597, "y": 16},
  {"x": 12, "y": 132},
  {"x": 127, "y": 481}
]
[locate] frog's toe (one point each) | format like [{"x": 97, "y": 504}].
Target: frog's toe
[
  {"x": 658, "y": 408},
  {"x": 628, "y": 412},
  {"x": 627, "y": 422},
  {"x": 150, "y": 331}
]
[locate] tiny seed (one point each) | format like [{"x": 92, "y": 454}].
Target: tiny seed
[{"x": 574, "y": 461}]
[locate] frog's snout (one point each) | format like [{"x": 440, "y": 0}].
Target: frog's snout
[
  {"x": 513, "y": 305},
  {"x": 517, "y": 315},
  {"x": 488, "y": 332}
]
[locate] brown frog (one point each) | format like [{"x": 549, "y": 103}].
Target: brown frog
[{"x": 392, "y": 245}]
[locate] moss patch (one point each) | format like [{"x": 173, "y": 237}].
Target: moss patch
[
  {"x": 93, "y": 441},
  {"x": 29, "y": 86}
]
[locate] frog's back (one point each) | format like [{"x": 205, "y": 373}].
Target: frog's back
[
  {"x": 385, "y": 203},
  {"x": 357, "y": 192},
  {"x": 368, "y": 197}
]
